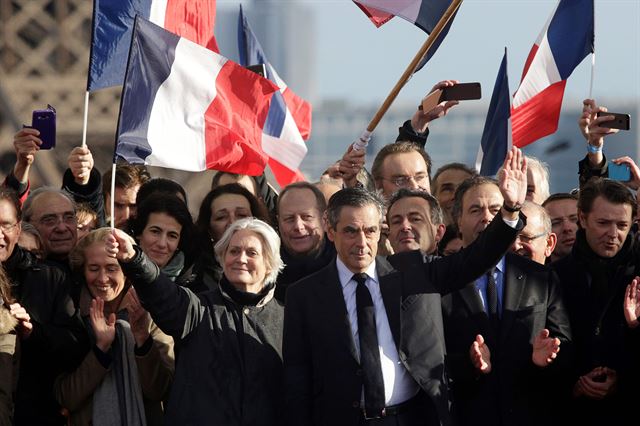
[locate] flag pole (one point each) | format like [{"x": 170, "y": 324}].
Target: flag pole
[
  {"x": 86, "y": 119},
  {"x": 113, "y": 194},
  {"x": 362, "y": 142}
]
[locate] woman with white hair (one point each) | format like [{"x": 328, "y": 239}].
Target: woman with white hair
[{"x": 229, "y": 366}]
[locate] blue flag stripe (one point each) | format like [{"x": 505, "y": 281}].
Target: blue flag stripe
[
  {"x": 495, "y": 136},
  {"x": 152, "y": 54},
  {"x": 571, "y": 34},
  {"x": 111, "y": 37},
  {"x": 251, "y": 53}
]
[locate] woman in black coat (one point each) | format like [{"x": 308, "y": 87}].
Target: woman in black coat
[{"x": 229, "y": 371}]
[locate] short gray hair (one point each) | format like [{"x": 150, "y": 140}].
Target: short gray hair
[
  {"x": 535, "y": 164},
  {"x": 544, "y": 215},
  {"x": 27, "y": 208},
  {"x": 352, "y": 197},
  {"x": 270, "y": 244}
]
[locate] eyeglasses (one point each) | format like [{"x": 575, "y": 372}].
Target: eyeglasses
[
  {"x": 8, "y": 227},
  {"x": 51, "y": 220},
  {"x": 404, "y": 181},
  {"x": 527, "y": 239}
]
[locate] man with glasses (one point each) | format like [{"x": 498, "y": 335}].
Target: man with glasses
[
  {"x": 47, "y": 327},
  {"x": 504, "y": 331},
  {"x": 401, "y": 165},
  {"x": 53, "y": 213}
]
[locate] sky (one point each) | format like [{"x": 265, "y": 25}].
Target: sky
[{"x": 357, "y": 62}]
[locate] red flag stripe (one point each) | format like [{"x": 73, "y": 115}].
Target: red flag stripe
[{"x": 538, "y": 117}]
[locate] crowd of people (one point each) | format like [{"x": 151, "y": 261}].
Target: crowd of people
[{"x": 395, "y": 296}]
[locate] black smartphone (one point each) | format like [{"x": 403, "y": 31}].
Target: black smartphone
[
  {"x": 461, "y": 92},
  {"x": 259, "y": 69},
  {"x": 620, "y": 121},
  {"x": 44, "y": 120},
  {"x": 620, "y": 172}
]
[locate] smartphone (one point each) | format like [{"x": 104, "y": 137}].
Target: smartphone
[
  {"x": 619, "y": 172},
  {"x": 260, "y": 69},
  {"x": 44, "y": 120},
  {"x": 600, "y": 378},
  {"x": 620, "y": 121},
  {"x": 461, "y": 92}
]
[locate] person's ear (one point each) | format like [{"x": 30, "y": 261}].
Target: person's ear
[{"x": 552, "y": 240}]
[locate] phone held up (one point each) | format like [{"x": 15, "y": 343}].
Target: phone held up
[
  {"x": 457, "y": 92},
  {"x": 44, "y": 121},
  {"x": 620, "y": 121},
  {"x": 620, "y": 172},
  {"x": 259, "y": 69}
]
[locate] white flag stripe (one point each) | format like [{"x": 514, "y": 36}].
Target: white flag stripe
[{"x": 176, "y": 126}]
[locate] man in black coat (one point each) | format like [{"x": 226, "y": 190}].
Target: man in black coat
[
  {"x": 334, "y": 373},
  {"x": 595, "y": 276},
  {"x": 505, "y": 364},
  {"x": 49, "y": 329}
]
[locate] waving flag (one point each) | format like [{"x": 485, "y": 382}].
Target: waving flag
[
  {"x": 186, "y": 107},
  {"x": 288, "y": 124},
  {"x": 378, "y": 17},
  {"x": 496, "y": 136},
  {"x": 424, "y": 14},
  {"x": 566, "y": 39},
  {"x": 113, "y": 24}
]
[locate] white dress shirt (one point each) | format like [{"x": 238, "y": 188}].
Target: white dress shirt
[{"x": 399, "y": 386}]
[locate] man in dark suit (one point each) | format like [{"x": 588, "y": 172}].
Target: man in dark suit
[
  {"x": 504, "y": 330},
  {"x": 340, "y": 372}
]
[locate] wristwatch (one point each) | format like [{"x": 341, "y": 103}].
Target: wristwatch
[{"x": 513, "y": 209}]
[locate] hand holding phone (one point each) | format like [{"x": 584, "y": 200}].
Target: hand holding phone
[
  {"x": 44, "y": 120},
  {"x": 461, "y": 92},
  {"x": 620, "y": 172},
  {"x": 620, "y": 121}
]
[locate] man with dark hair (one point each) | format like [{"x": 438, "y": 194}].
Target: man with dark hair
[
  {"x": 415, "y": 221},
  {"x": 47, "y": 326},
  {"x": 504, "y": 331},
  {"x": 305, "y": 248},
  {"x": 363, "y": 342},
  {"x": 129, "y": 178},
  {"x": 446, "y": 181},
  {"x": 595, "y": 275},
  {"x": 563, "y": 211}
]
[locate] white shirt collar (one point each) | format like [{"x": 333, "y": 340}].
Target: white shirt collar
[{"x": 345, "y": 274}]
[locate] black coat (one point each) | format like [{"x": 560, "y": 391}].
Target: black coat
[
  {"x": 323, "y": 379},
  {"x": 600, "y": 333},
  {"x": 229, "y": 367},
  {"x": 58, "y": 333},
  {"x": 516, "y": 391}
]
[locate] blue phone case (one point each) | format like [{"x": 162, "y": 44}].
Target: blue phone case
[
  {"x": 44, "y": 120},
  {"x": 619, "y": 172}
]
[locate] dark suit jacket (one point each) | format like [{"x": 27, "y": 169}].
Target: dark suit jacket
[
  {"x": 515, "y": 392},
  {"x": 323, "y": 378}
]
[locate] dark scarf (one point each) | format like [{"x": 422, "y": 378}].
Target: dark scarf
[
  {"x": 602, "y": 270},
  {"x": 243, "y": 298},
  {"x": 298, "y": 267}
]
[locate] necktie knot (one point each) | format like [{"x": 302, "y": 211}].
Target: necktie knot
[{"x": 360, "y": 278}]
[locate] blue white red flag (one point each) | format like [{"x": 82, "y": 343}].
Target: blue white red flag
[
  {"x": 425, "y": 14},
  {"x": 566, "y": 39},
  {"x": 496, "y": 136},
  {"x": 113, "y": 24},
  {"x": 378, "y": 17},
  {"x": 186, "y": 107},
  {"x": 288, "y": 124}
]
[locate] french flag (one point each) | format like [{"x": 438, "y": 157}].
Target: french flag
[
  {"x": 186, "y": 107},
  {"x": 113, "y": 25},
  {"x": 496, "y": 136},
  {"x": 566, "y": 39},
  {"x": 288, "y": 124},
  {"x": 425, "y": 14}
]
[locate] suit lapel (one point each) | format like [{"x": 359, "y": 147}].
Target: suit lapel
[
  {"x": 391, "y": 290},
  {"x": 336, "y": 321},
  {"x": 513, "y": 287}
]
